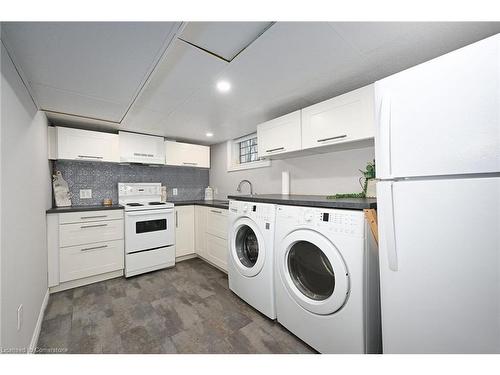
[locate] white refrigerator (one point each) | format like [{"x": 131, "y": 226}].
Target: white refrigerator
[{"x": 437, "y": 147}]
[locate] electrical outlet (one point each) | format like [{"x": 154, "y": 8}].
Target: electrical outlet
[
  {"x": 19, "y": 317},
  {"x": 85, "y": 193},
  {"x": 174, "y": 191}
]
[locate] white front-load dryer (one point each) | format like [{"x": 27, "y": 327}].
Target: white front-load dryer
[
  {"x": 327, "y": 288},
  {"x": 251, "y": 256}
]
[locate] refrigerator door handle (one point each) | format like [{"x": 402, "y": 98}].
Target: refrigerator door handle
[
  {"x": 383, "y": 143},
  {"x": 392, "y": 254},
  {"x": 387, "y": 196}
]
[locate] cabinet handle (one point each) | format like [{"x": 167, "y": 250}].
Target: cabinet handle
[
  {"x": 92, "y": 217},
  {"x": 275, "y": 149},
  {"x": 145, "y": 155},
  {"x": 176, "y": 219},
  {"x": 332, "y": 138},
  {"x": 186, "y": 163},
  {"x": 94, "y": 248},
  {"x": 94, "y": 226},
  {"x": 216, "y": 212},
  {"x": 90, "y": 157}
]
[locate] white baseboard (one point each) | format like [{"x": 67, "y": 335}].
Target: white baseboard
[{"x": 38, "y": 326}]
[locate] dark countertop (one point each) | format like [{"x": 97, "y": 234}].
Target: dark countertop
[
  {"x": 58, "y": 210},
  {"x": 309, "y": 201},
  {"x": 215, "y": 203}
]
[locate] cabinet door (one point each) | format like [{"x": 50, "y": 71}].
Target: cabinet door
[
  {"x": 217, "y": 223},
  {"x": 280, "y": 135},
  {"x": 184, "y": 230},
  {"x": 187, "y": 155},
  {"x": 141, "y": 148},
  {"x": 345, "y": 118},
  {"x": 76, "y": 144},
  {"x": 200, "y": 229},
  {"x": 217, "y": 251}
]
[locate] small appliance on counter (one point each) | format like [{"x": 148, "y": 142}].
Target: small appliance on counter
[
  {"x": 209, "y": 194},
  {"x": 285, "y": 183}
]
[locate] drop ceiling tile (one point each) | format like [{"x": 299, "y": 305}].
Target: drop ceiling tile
[
  {"x": 367, "y": 36},
  {"x": 53, "y": 99},
  {"x": 106, "y": 60},
  {"x": 181, "y": 72},
  {"x": 225, "y": 39}
]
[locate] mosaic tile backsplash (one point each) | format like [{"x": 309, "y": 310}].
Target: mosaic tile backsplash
[{"x": 103, "y": 179}]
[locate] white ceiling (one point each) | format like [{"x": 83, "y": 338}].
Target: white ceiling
[
  {"x": 290, "y": 66},
  {"x": 89, "y": 69}
]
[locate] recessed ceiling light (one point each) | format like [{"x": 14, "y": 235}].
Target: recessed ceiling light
[
  {"x": 223, "y": 86},
  {"x": 209, "y": 134}
]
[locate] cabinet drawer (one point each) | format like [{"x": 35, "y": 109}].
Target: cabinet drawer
[
  {"x": 76, "y": 262},
  {"x": 217, "y": 222},
  {"x": 217, "y": 251},
  {"x": 86, "y": 233},
  {"x": 86, "y": 216}
]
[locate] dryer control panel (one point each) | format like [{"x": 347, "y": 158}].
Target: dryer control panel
[{"x": 346, "y": 222}]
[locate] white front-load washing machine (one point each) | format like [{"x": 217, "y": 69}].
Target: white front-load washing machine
[
  {"x": 251, "y": 257},
  {"x": 327, "y": 282}
]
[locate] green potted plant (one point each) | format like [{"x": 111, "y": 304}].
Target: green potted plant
[{"x": 367, "y": 183}]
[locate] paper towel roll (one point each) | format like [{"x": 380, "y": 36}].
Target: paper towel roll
[{"x": 285, "y": 182}]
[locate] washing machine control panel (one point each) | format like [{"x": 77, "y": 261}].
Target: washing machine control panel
[
  {"x": 345, "y": 222},
  {"x": 255, "y": 211}
]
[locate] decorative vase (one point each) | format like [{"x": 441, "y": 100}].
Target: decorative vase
[
  {"x": 371, "y": 188},
  {"x": 62, "y": 195}
]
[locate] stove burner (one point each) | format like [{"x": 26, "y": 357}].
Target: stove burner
[
  {"x": 134, "y": 204},
  {"x": 156, "y": 203}
]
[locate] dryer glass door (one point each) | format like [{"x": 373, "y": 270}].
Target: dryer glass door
[
  {"x": 247, "y": 246},
  {"x": 311, "y": 271}
]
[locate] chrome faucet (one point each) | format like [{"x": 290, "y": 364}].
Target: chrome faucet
[{"x": 238, "y": 189}]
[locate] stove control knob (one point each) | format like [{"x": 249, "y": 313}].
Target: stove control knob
[{"x": 308, "y": 216}]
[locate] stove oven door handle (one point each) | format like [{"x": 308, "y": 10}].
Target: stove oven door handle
[{"x": 150, "y": 212}]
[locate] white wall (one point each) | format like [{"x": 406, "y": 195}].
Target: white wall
[
  {"x": 320, "y": 174},
  {"x": 25, "y": 195}
]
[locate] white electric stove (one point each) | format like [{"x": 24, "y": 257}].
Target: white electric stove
[{"x": 149, "y": 228}]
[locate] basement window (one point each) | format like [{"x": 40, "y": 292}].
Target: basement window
[{"x": 242, "y": 154}]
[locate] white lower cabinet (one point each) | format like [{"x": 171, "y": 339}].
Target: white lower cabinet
[
  {"x": 216, "y": 237},
  {"x": 202, "y": 230},
  {"x": 84, "y": 247},
  {"x": 217, "y": 251},
  {"x": 184, "y": 231},
  {"x": 87, "y": 260}
]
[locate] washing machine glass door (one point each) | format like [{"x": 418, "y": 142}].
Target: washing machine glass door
[
  {"x": 247, "y": 247},
  {"x": 313, "y": 271}
]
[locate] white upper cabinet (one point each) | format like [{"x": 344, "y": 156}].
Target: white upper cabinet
[
  {"x": 76, "y": 144},
  {"x": 187, "y": 155},
  {"x": 280, "y": 135},
  {"x": 140, "y": 148},
  {"x": 345, "y": 118}
]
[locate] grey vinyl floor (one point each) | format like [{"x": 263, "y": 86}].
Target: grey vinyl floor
[{"x": 185, "y": 309}]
